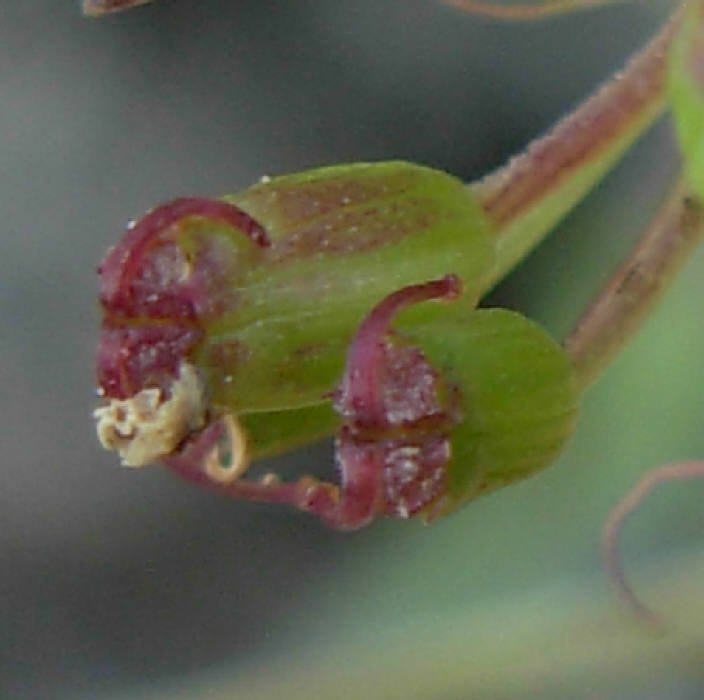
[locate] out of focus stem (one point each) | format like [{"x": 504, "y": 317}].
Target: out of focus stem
[
  {"x": 524, "y": 11},
  {"x": 618, "y": 311},
  {"x": 97, "y": 8}
]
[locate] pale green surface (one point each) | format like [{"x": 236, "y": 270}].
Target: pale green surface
[
  {"x": 687, "y": 94},
  {"x": 518, "y": 396},
  {"x": 560, "y": 639},
  {"x": 414, "y": 224}
]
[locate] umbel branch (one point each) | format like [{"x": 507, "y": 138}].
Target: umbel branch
[{"x": 96, "y": 8}]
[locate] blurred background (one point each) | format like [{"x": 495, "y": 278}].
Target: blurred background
[{"x": 121, "y": 584}]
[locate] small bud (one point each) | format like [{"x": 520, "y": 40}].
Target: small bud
[
  {"x": 440, "y": 412},
  {"x": 229, "y": 325},
  {"x": 517, "y": 397},
  {"x": 261, "y": 293}
]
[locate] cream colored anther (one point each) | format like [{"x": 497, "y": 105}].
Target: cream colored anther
[{"x": 144, "y": 428}]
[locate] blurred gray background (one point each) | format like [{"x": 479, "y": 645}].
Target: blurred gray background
[{"x": 126, "y": 584}]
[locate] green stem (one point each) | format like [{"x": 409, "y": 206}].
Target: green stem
[
  {"x": 527, "y": 197},
  {"x": 619, "y": 309}
]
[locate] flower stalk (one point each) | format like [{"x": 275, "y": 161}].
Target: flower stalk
[
  {"x": 620, "y": 308},
  {"x": 528, "y": 196}
]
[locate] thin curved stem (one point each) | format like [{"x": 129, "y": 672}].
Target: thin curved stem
[{"x": 613, "y": 526}]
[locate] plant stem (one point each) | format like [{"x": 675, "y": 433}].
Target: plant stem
[
  {"x": 533, "y": 191},
  {"x": 623, "y": 303},
  {"x": 524, "y": 11},
  {"x": 96, "y": 8}
]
